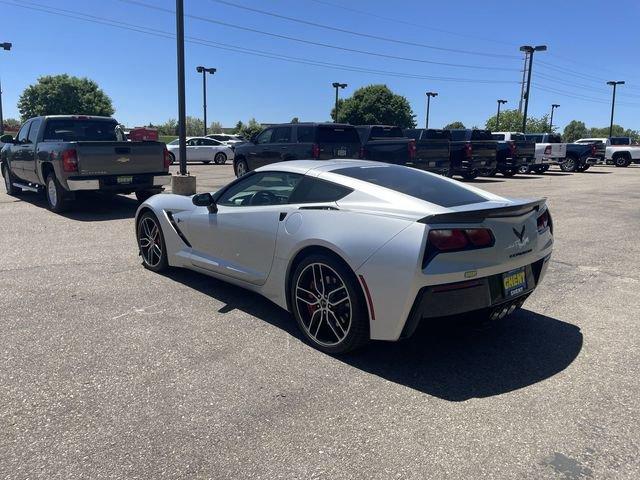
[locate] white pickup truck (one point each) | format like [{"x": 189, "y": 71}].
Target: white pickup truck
[
  {"x": 619, "y": 151},
  {"x": 550, "y": 150}
]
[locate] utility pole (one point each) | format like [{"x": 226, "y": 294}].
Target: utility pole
[
  {"x": 429, "y": 95},
  {"x": 553, "y": 107},
  {"x": 613, "y": 102},
  {"x": 4, "y": 46},
  {"x": 204, "y": 71},
  {"x": 500, "y": 102},
  {"x": 337, "y": 86},
  {"x": 530, "y": 50},
  {"x": 522, "y": 84}
]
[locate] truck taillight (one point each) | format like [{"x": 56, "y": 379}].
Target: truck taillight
[
  {"x": 167, "y": 158},
  {"x": 468, "y": 150},
  {"x": 363, "y": 153},
  {"x": 547, "y": 150},
  {"x": 69, "y": 160},
  {"x": 412, "y": 149},
  {"x": 315, "y": 151},
  {"x": 512, "y": 148}
]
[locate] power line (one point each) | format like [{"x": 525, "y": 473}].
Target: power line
[
  {"x": 578, "y": 96},
  {"x": 318, "y": 44},
  {"x": 361, "y": 34},
  {"x": 238, "y": 49}
]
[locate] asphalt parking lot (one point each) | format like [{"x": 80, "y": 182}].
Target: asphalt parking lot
[{"x": 111, "y": 371}]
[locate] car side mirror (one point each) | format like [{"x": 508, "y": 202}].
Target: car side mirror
[
  {"x": 6, "y": 138},
  {"x": 205, "y": 200}
]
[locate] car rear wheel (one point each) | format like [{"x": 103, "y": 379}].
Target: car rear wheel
[
  {"x": 524, "y": 169},
  {"x": 220, "y": 158},
  {"x": 8, "y": 182},
  {"x": 621, "y": 161},
  {"x": 328, "y": 304},
  {"x": 569, "y": 165},
  {"x": 470, "y": 175},
  {"x": 55, "y": 195},
  {"x": 509, "y": 173},
  {"x": 241, "y": 168},
  {"x": 151, "y": 243}
]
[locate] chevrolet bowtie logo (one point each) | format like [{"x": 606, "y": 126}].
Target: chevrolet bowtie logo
[{"x": 519, "y": 234}]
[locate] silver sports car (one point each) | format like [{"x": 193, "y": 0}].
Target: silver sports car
[{"x": 355, "y": 250}]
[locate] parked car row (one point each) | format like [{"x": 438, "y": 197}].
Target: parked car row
[{"x": 468, "y": 153}]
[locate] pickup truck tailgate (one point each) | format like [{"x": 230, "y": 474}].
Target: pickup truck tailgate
[
  {"x": 390, "y": 151},
  {"x": 526, "y": 149},
  {"x": 119, "y": 158},
  {"x": 484, "y": 150}
]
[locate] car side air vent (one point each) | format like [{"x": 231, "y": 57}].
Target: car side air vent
[{"x": 174, "y": 224}]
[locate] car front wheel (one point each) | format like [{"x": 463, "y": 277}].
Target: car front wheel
[
  {"x": 328, "y": 305},
  {"x": 151, "y": 243},
  {"x": 241, "y": 168},
  {"x": 55, "y": 195},
  {"x": 8, "y": 182},
  {"x": 524, "y": 169}
]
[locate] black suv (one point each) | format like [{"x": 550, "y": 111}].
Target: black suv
[{"x": 297, "y": 141}]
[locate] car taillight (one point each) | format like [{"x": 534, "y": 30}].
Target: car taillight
[
  {"x": 544, "y": 222},
  {"x": 363, "y": 153},
  {"x": 468, "y": 150},
  {"x": 512, "y": 148},
  {"x": 446, "y": 240},
  {"x": 167, "y": 158},
  {"x": 69, "y": 160},
  {"x": 547, "y": 150},
  {"x": 412, "y": 149},
  {"x": 315, "y": 151}
]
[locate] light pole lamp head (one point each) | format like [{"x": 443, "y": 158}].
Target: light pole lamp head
[
  {"x": 612, "y": 82},
  {"x": 502, "y": 102},
  {"x": 6, "y": 45},
  {"x": 432, "y": 94},
  {"x": 530, "y": 49},
  {"x": 339, "y": 85},
  {"x": 202, "y": 69},
  {"x": 555, "y": 105}
]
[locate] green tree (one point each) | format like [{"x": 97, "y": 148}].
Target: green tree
[
  {"x": 195, "y": 126},
  {"x": 574, "y": 130},
  {"x": 170, "y": 127},
  {"x": 11, "y": 125},
  {"x": 215, "y": 127},
  {"x": 249, "y": 129},
  {"x": 511, "y": 121},
  {"x": 295, "y": 120},
  {"x": 453, "y": 125},
  {"x": 375, "y": 104},
  {"x": 64, "y": 95}
]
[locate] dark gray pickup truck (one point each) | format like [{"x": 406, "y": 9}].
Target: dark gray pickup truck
[
  {"x": 385, "y": 143},
  {"x": 64, "y": 154},
  {"x": 432, "y": 150}
]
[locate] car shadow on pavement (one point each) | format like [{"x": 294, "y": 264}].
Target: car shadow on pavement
[
  {"x": 91, "y": 207},
  {"x": 484, "y": 180},
  {"x": 454, "y": 362},
  {"x": 557, "y": 174},
  {"x": 591, "y": 172},
  {"x": 457, "y": 363}
]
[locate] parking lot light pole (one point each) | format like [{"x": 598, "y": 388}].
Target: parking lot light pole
[
  {"x": 5, "y": 46},
  {"x": 429, "y": 95},
  {"x": 500, "y": 102},
  {"x": 528, "y": 49},
  {"x": 182, "y": 184},
  {"x": 553, "y": 107},
  {"x": 337, "y": 86},
  {"x": 204, "y": 71},
  {"x": 613, "y": 102}
]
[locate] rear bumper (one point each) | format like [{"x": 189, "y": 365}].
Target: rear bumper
[
  {"x": 475, "y": 164},
  {"x": 515, "y": 163},
  {"x": 468, "y": 296},
  {"x": 552, "y": 161},
  {"x": 110, "y": 182}
]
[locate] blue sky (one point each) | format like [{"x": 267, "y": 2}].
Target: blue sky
[{"x": 138, "y": 71}]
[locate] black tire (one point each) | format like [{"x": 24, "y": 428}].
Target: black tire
[
  {"x": 307, "y": 301},
  {"x": 524, "y": 169},
  {"x": 621, "y": 160},
  {"x": 143, "y": 195},
  {"x": 586, "y": 167},
  {"x": 151, "y": 258},
  {"x": 56, "y": 195},
  {"x": 241, "y": 168},
  {"x": 570, "y": 164},
  {"x": 470, "y": 175},
  {"x": 8, "y": 182},
  {"x": 580, "y": 168},
  {"x": 544, "y": 168},
  {"x": 491, "y": 173},
  {"x": 538, "y": 170},
  {"x": 509, "y": 173},
  {"x": 172, "y": 157},
  {"x": 220, "y": 158}
]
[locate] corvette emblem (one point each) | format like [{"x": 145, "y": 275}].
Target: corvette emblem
[
  {"x": 519, "y": 234},
  {"x": 123, "y": 160}
]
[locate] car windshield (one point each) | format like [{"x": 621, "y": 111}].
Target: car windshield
[
  {"x": 416, "y": 183},
  {"x": 174, "y": 142},
  {"x": 71, "y": 130}
]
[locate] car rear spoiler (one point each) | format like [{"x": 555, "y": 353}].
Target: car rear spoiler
[{"x": 477, "y": 216}]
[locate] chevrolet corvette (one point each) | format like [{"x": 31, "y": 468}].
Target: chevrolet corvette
[{"x": 355, "y": 250}]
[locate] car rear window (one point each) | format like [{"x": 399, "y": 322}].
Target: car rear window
[
  {"x": 71, "y": 130},
  {"x": 518, "y": 137},
  {"x": 555, "y": 139},
  {"x": 430, "y": 134},
  {"x": 314, "y": 190},
  {"x": 416, "y": 183},
  {"x": 620, "y": 141},
  {"x": 534, "y": 138},
  {"x": 459, "y": 135},
  {"x": 498, "y": 136},
  {"x": 481, "y": 135},
  {"x": 386, "y": 132},
  {"x": 338, "y": 135}
]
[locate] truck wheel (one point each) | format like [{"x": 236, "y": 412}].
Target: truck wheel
[
  {"x": 220, "y": 158},
  {"x": 585, "y": 167},
  {"x": 569, "y": 165},
  {"x": 241, "y": 168},
  {"x": 55, "y": 195},
  {"x": 620, "y": 160},
  {"x": 8, "y": 182},
  {"x": 470, "y": 175},
  {"x": 491, "y": 173},
  {"x": 524, "y": 169},
  {"x": 143, "y": 195},
  {"x": 509, "y": 173}
]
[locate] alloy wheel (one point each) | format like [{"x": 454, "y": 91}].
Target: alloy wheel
[
  {"x": 241, "y": 168},
  {"x": 150, "y": 242},
  {"x": 324, "y": 305},
  {"x": 7, "y": 180},
  {"x": 52, "y": 192}
]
